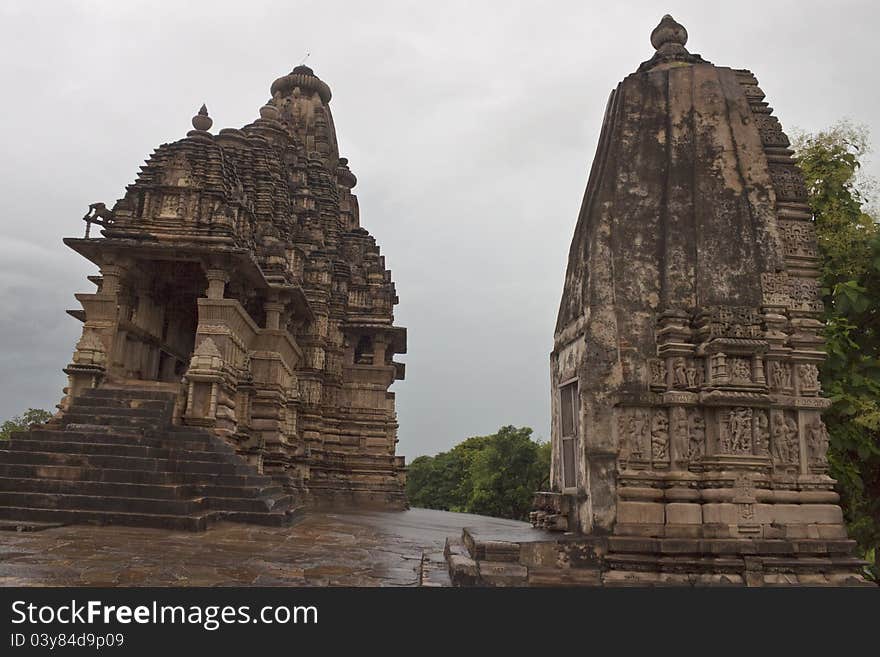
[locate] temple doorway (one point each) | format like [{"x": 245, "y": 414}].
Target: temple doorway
[{"x": 158, "y": 317}]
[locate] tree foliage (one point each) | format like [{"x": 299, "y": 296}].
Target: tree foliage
[
  {"x": 23, "y": 421},
  {"x": 494, "y": 475},
  {"x": 849, "y": 243}
]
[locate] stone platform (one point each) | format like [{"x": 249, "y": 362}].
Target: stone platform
[
  {"x": 493, "y": 556},
  {"x": 403, "y": 548}
]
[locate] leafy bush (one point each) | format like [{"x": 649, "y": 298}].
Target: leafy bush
[{"x": 494, "y": 475}]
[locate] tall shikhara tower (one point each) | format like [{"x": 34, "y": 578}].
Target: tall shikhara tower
[
  {"x": 238, "y": 288},
  {"x": 687, "y": 406}
]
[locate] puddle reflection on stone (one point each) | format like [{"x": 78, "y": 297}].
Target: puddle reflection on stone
[{"x": 324, "y": 549}]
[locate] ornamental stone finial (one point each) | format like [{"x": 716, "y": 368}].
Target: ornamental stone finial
[
  {"x": 202, "y": 121},
  {"x": 668, "y": 31},
  {"x": 269, "y": 112}
]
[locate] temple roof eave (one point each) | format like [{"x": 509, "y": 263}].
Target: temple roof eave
[
  {"x": 396, "y": 333},
  {"x": 97, "y": 251}
]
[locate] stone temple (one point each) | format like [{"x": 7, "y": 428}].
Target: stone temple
[
  {"x": 237, "y": 353},
  {"x": 688, "y": 443}
]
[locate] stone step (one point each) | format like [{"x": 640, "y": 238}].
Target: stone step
[
  {"x": 133, "y": 432},
  {"x": 463, "y": 569},
  {"x": 27, "y": 525},
  {"x": 186, "y": 441},
  {"x": 129, "y": 394},
  {"x": 78, "y": 409},
  {"x": 116, "y": 458},
  {"x": 67, "y": 501},
  {"x": 144, "y": 504},
  {"x": 270, "y": 519},
  {"x": 85, "y": 473},
  {"x": 199, "y": 522},
  {"x": 114, "y": 489},
  {"x": 276, "y": 504},
  {"x": 178, "y": 432},
  {"x": 115, "y": 449},
  {"x": 114, "y": 420},
  {"x": 84, "y": 403},
  {"x": 215, "y": 491},
  {"x": 434, "y": 572},
  {"x": 124, "y": 463}
]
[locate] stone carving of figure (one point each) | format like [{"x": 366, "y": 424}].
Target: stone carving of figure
[
  {"x": 762, "y": 434},
  {"x": 809, "y": 376},
  {"x": 742, "y": 370},
  {"x": 697, "y": 441},
  {"x": 678, "y": 439},
  {"x": 658, "y": 373},
  {"x": 781, "y": 375},
  {"x": 785, "y": 439},
  {"x": 817, "y": 441},
  {"x": 779, "y": 447},
  {"x": 679, "y": 373},
  {"x": 791, "y": 439},
  {"x": 98, "y": 214},
  {"x": 739, "y": 429},
  {"x": 694, "y": 374},
  {"x": 631, "y": 427},
  {"x": 660, "y": 437}
]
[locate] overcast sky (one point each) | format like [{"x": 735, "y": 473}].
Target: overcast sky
[{"x": 470, "y": 126}]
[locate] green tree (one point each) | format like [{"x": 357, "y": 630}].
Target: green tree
[
  {"x": 849, "y": 243},
  {"x": 505, "y": 474},
  {"x": 443, "y": 481},
  {"x": 492, "y": 475},
  {"x": 23, "y": 421}
]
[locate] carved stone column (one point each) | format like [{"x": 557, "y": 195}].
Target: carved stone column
[
  {"x": 217, "y": 280},
  {"x": 87, "y": 369}
]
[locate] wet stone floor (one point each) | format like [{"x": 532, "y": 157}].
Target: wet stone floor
[{"x": 403, "y": 548}]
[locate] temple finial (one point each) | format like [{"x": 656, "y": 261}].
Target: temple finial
[
  {"x": 202, "y": 121},
  {"x": 669, "y": 31}
]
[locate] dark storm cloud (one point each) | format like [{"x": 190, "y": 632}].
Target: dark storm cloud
[{"x": 470, "y": 126}]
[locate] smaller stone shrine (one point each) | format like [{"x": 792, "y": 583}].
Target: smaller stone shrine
[{"x": 688, "y": 442}]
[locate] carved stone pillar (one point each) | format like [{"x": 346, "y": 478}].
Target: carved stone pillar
[
  {"x": 101, "y": 321},
  {"x": 380, "y": 345},
  {"x": 273, "y": 314},
  {"x": 87, "y": 369},
  {"x": 217, "y": 280},
  {"x": 203, "y": 380}
]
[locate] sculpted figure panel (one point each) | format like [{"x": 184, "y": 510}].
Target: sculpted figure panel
[
  {"x": 785, "y": 443},
  {"x": 780, "y": 375},
  {"x": 808, "y": 376},
  {"x": 633, "y": 427},
  {"x": 660, "y": 436},
  {"x": 762, "y": 433},
  {"x": 679, "y": 373},
  {"x": 817, "y": 442},
  {"x": 736, "y": 431},
  {"x": 697, "y": 436}
]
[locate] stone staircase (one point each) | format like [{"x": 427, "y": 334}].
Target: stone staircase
[{"x": 115, "y": 458}]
